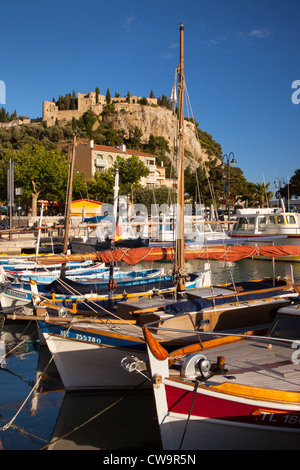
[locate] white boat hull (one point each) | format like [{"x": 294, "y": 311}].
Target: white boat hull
[
  {"x": 83, "y": 365},
  {"x": 208, "y": 434}
]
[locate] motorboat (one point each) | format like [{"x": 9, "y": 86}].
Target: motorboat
[{"x": 269, "y": 224}]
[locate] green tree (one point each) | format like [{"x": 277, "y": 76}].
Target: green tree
[
  {"x": 131, "y": 170},
  {"x": 261, "y": 193},
  {"x": 134, "y": 140},
  {"x": 164, "y": 101},
  {"x": 159, "y": 195},
  {"x": 100, "y": 187},
  {"x": 41, "y": 172},
  {"x": 293, "y": 188},
  {"x": 108, "y": 96},
  {"x": 87, "y": 122}
]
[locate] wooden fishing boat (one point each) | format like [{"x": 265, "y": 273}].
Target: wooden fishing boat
[
  {"x": 87, "y": 351},
  {"x": 230, "y": 391}
]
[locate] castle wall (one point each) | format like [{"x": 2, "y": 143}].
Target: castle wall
[{"x": 86, "y": 102}]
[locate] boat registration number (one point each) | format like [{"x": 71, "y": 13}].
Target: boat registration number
[
  {"x": 80, "y": 337},
  {"x": 281, "y": 418}
]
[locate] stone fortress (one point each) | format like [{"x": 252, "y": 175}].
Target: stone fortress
[
  {"x": 151, "y": 119},
  {"x": 86, "y": 102}
]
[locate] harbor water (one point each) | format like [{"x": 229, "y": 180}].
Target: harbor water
[{"x": 45, "y": 417}]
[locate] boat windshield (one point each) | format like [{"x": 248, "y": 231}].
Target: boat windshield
[{"x": 286, "y": 327}]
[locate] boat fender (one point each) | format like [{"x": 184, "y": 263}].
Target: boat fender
[{"x": 112, "y": 285}]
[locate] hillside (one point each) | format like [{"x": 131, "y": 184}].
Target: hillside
[{"x": 158, "y": 121}]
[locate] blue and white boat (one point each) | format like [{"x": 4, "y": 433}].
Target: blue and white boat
[{"x": 92, "y": 295}]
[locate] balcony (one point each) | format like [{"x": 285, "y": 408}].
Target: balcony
[{"x": 98, "y": 162}]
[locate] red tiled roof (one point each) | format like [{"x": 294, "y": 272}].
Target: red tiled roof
[
  {"x": 106, "y": 148},
  {"x": 137, "y": 152}
]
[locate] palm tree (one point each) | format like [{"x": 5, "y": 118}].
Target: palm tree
[{"x": 262, "y": 193}]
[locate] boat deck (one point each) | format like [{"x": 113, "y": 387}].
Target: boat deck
[{"x": 257, "y": 363}]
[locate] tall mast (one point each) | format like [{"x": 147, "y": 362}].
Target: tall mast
[
  {"x": 180, "y": 203},
  {"x": 69, "y": 199}
]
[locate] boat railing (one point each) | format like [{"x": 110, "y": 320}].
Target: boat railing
[{"x": 204, "y": 337}]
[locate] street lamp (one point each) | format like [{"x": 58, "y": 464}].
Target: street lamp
[
  {"x": 19, "y": 192},
  {"x": 233, "y": 162}
]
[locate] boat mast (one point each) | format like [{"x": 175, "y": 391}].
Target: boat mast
[
  {"x": 180, "y": 203},
  {"x": 69, "y": 199}
]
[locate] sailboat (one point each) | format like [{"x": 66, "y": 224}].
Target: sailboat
[{"x": 88, "y": 351}]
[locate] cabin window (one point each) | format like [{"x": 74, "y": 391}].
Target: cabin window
[
  {"x": 251, "y": 223},
  {"x": 242, "y": 223},
  {"x": 290, "y": 219},
  {"x": 280, "y": 219},
  {"x": 262, "y": 222},
  {"x": 272, "y": 219},
  {"x": 245, "y": 224}
]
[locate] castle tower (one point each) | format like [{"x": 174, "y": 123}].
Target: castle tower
[{"x": 50, "y": 112}]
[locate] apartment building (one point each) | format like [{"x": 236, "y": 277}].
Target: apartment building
[{"x": 90, "y": 158}]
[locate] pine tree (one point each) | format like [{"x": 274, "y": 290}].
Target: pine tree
[{"x": 108, "y": 96}]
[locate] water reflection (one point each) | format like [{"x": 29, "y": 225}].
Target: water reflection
[{"x": 107, "y": 420}]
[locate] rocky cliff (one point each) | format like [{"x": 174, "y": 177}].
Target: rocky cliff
[{"x": 160, "y": 122}]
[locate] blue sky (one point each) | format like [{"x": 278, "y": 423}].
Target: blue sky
[{"x": 241, "y": 58}]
